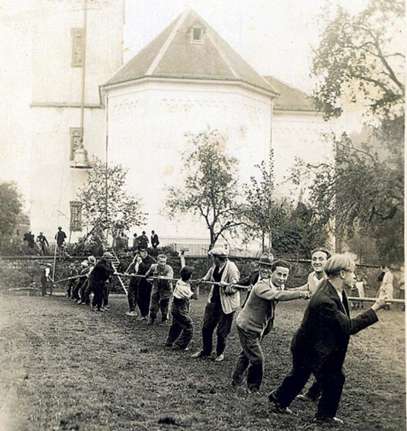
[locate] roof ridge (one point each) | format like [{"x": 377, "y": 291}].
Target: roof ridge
[{"x": 167, "y": 43}]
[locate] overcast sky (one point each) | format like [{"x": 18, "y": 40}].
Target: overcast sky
[{"x": 275, "y": 36}]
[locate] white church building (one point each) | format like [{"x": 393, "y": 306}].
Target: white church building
[{"x": 187, "y": 80}]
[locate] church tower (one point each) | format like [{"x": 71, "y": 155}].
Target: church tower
[{"x": 77, "y": 46}]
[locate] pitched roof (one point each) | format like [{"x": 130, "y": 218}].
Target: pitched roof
[
  {"x": 290, "y": 99},
  {"x": 174, "y": 54}
]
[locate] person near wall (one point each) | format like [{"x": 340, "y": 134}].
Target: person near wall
[
  {"x": 46, "y": 281},
  {"x": 161, "y": 292},
  {"x": 155, "y": 241},
  {"x": 43, "y": 243},
  {"x": 256, "y": 316},
  {"x": 320, "y": 344},
  {"x": 223, "y": 301}
]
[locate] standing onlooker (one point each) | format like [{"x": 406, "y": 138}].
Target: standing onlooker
[
  {"x": 30, "y": 238},
  {"x": 222, "y": 303},
  {"x": 46, "y": 280},
  {"x": 155, "y": 242},
  {"x": 43, "y": 242},
  {"x": 135, "y": 242},
  {"x": 319, "y": 346},
  {"x": 60, "y": 237},
  {"x": 162, "y": 289},
  {"x": 255, "y": 317},
  {"x": 360, "y": 287},
  {"x": 386, "y": 287},
  {"x": 143, "y": 240},
  {"x": 182, "y": 328},
  {"x": 73, "y": 272},
  {"x": 401, "y": 286}
]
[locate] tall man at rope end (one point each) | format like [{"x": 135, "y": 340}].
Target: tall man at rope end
[
  {"x": 320, "y": 344},
  {"x": 223, "y": 301}
]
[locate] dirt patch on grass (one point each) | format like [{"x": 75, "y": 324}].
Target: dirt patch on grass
[{"x": 66, "y": 368}]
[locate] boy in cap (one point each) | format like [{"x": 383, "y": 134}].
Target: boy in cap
[
  {"x": 182, "y": 328},
  {"x": 222, "y": 303},
  {"x": 86, "y": 289},
  {"x": 162, "y": 289}
]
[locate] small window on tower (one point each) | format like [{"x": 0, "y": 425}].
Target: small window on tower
[
  {"x": 197, "y": 34},
  {"x": 76, "y": 216},
  {"x": 77, "y": 47}
]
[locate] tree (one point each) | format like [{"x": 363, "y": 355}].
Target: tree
[
  {"x": 364, "y": 189},
  {"x": 105, "y": 204},
  {"x": 358, "y": 60},
  {"x": 10, "y": 209},
  {"x": 210, "y": 186},
  {"x": 262, "y": 212}
]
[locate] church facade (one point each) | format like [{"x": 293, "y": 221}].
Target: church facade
[{"x": 185, "y": 81}]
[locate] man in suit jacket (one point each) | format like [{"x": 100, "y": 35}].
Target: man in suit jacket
[{"x": 320, "y": 344}]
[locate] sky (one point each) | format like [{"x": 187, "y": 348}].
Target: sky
[{"x": 275, "y": 37}]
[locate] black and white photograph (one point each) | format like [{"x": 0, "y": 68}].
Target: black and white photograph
[{"x": 202, "y": 215}]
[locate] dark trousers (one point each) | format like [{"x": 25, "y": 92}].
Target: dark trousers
[
  {"x": 143, "y": 298},
  {"x": 314, "y": 391},
  {"x": 106, "y": 293},
  {"x": 85, "y": 292},
  {"x": 97, "y": 288},
  {"x": 331, "y": 381},
  {"x": 76, "y": 289},
  {"x": 132, "y": 295},
  {"x": 250, "y": 357},
  {"x": 215, "y": 318},
  {"x": 182, "y": 328},
  {"x": 159, "y": 303},
  {"x": 44, "y": 285}
]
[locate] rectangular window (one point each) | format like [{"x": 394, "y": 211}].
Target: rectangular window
[
  {"x": 75, "y": 137},
  {"x": 77, "y": 47},
  {"x": 76, "y": 216},
  {"x": 197, "y": 35}
]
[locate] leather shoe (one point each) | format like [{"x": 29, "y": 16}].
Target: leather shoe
[
  {"x": 330, "y": 421},
  {"x": 305, "y": 397},
  {"x": 200, "y": 354},
  {"x": 279, "y": 407}
]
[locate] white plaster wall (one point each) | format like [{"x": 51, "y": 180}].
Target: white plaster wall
[
  {"x": 299, "y": 135},
  {"x": 147, "y": 126},
  {"x": 54, "y": 78},
  {"x": 54, "y": 182}
]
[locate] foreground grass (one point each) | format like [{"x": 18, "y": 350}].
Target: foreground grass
[{"x": 78, "y": 370}]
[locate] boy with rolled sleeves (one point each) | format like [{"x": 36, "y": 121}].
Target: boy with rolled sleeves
[{"x": 182, "y": 328}]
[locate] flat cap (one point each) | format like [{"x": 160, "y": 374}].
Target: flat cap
[
  {"x": 266, "y": 259},
  {"x": 108, "y": 255},
  {"x": 219, "y": 251}
]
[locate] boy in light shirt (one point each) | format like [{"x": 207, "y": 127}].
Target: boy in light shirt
[{"x": 182, "y": 328}]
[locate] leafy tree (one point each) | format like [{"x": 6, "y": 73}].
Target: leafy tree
[
  {"x": 364, "y": 189},
  {"x": 10, "y": 209},
  {"x": 105, "y": 204},
  {"x": 210, "y": 186},
  {"x": 358, "y": 60},
  {"x": 262, "y": 213}
]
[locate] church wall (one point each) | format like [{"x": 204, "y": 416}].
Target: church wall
[
  {"x": 53, "y": 182},
  {"x": 147, "y": 127},
  {"x": 299, "y": 135}
]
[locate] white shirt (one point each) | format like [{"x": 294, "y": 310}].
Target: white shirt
[{"x": 182, "y": 290}]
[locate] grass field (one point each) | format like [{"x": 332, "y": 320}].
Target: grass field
[{"x": 63, "y": 367}]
